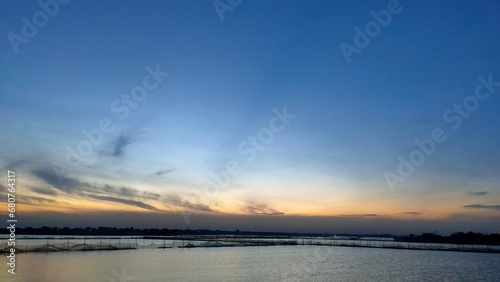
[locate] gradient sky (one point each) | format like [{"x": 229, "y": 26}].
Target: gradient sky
[{"x": 323, "y": 169}]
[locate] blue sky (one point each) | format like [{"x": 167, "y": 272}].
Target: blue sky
[{"x": 225, "y": 78}]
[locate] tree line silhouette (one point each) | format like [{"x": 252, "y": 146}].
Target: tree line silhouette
[{"x": 455, "y": 238}]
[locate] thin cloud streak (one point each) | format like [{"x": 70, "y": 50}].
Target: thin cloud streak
[
  {"x": 359, "y": 215},
  {"x": 261, "y": 209},
  {"x": 49, "y": 192},
  {"x": 66, "y": 185},
  {"x": 487, "y": 207},
  {"x": 177, "y": 201},
  {"x": 162, "y": 172},
  {"x": 124, "y": 201},
  {"x": 124, "y": 195},
  {"x": 411, "y": 213},
  {"x": 32, "y": 200},
  {"x": 481, "y": 193}
]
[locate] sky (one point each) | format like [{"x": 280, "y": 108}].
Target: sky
[{"x": 304, "y": 116}]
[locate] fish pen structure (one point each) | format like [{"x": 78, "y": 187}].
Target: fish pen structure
[
  {"x": 105, "y": 244},
  {"x": 77, "y": 245}
]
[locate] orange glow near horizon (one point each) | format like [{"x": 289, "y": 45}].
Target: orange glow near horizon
[{"x": 345, "y": 203}]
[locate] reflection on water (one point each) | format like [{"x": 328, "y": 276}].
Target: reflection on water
[{"x": 273, "y": 263}]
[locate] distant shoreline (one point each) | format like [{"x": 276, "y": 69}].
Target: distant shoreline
[
  {"x": 104, "y": 243},
  {"x": 459, "y": 238}
]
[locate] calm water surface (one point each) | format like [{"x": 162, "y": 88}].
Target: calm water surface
[{"x": 275, "y": 263}]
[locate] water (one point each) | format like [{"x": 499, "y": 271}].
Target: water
[{"x": 272, "y": 263}]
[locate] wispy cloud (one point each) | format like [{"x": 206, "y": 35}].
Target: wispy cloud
[
  {"x": 20, "y": 162},
  {"x": 177, "y": 201},
  {"x": 360, "y": 215},
  {"x": 32, "y": 200},
  {"x": 173, "y": 199},
  {"x": 120, "y": 191},
  {"x": 124, "y": 201},
  {"x": 411, "y": 213},
  {"x": 161, "y": 172},
  {"x": 66, "y": 184},
  {"x": 479, "y": 206},
  {"x": 120, "y": 143},
  {"x": 130, "y": 192},
  {"x": 198, "y": 206},
  {"x": 49, "y": 191},
  {"x": 150, "y": 195},
  {"x": 480, "y": 193},
  {"x": 261, "y": 209},
  {"x": 117, "y": 146},
  {"x": 124, "y": 195}
]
